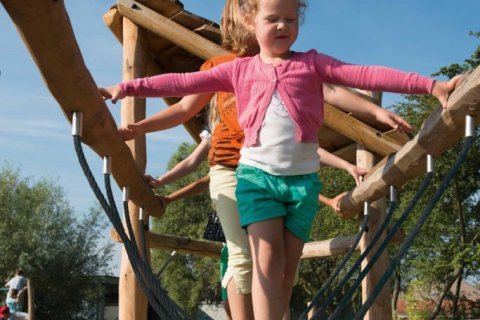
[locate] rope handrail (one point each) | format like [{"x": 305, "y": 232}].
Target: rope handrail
[
  {"x": 416, "y": 229},
  {"x": 426, "y": 181},
  {"x": 145, "y": 276},
  {"x": 339, "y": 267}
]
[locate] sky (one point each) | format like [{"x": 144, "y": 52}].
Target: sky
[{"x": 35, "y": 137}]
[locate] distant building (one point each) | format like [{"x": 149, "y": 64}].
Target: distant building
[{"x": 104, "y": 305}]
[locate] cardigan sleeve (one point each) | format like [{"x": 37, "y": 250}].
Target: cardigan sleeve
[
  {"x": 181, "y": 84},
  {"x": 375, "y": 78}
]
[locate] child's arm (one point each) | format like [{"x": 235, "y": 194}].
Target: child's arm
[
  {"x": 379, "y": 78},
  {"x": 184, "y": 167},
  {"x": 170, "y": 117},
  {"x": 351, "y": 103},
  {"x": 332, "y": 160},
  {"x": 188, "y": 191},
  {"x": 331, "y": 202},
  {"x": 174, "y": 84}
]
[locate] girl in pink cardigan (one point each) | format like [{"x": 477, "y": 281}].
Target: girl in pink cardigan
[{"x": 280, "y": 108}]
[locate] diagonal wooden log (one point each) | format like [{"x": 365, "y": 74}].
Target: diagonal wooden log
[
  {"x": 46, "y": 30},
  {"x": 440, "y": 131},
  {"x": 360, "y": 132},
  {"x": 173, "y": 32}
]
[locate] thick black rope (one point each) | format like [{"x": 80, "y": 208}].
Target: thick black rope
[
  {"x": 321, "y": 311},
  {"x": 130, "y": 246},
  {"x": 168, "y": 309},
  {"x": 116, "y": 222},
  {"x": 416, "y": 229},
  {"x": 339, "y": 268},
  {"x": 383, "y": 245}
]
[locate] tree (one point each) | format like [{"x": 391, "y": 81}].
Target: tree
[{"x": 58, "y": 252}]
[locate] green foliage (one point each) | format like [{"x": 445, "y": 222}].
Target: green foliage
[
  {"x": 188, "y": 279},
  {"x": 40, "y": 233}
]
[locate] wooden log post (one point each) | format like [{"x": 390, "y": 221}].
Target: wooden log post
[
  {"x": 31, "y": 301},
  {"x": 132, "y": 300},
  {"x": 381, "y": 309}
]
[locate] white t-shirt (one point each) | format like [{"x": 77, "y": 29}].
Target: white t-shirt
[
  {"x": 17, "y": 282},
  {"x": 277, "y": 151}
]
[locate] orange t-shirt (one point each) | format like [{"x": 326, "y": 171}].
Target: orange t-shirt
[{"x": 227, "y": 136}]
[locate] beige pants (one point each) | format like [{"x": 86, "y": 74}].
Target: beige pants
[{"x": 222, "y": 191}]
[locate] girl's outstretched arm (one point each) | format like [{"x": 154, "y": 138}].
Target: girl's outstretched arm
[
  {"x": 188, "y": 191},
  {"x": 184, "y": 167},
  {"x": 332, "y": 160},
  {"x": 351, "y": 103},
  {"x": 170, "y": 117}
]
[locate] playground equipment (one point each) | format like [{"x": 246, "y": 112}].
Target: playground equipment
[{"x": 159, "y": 36}]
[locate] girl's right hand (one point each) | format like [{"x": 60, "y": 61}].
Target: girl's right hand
[
  {"x": 131, "y": 131},
  {"x": 114, "y": 93},
  {"x": 152, "y": 182}
]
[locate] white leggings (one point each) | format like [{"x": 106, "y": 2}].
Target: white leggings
[{"x": 222, "y": 191}]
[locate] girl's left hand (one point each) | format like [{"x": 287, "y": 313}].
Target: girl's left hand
[
  {"x": 356, "y": 173},
  {"x": 393, "y": 120},
  {"x": 114, "y": 93}
]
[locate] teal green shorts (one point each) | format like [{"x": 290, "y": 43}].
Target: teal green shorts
[
  {"x": 223, "y": 269},
  {"x": 262, "y": 196}
]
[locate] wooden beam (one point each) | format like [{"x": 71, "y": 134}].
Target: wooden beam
[
  {"x": 47, "y": 33},
  {"x": 173, "y": 32},
  {"x": 381, "y": 309},
  {"x": 132, "y": 300},
  {"x": 440, "y": 131},
  {"x": 31, "y": 300},
  {"x": 356, "y": 130},
  {"x": 327, "y": 248},
  {"x": 185, "y": 245}
]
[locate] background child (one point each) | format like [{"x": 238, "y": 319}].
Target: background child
[{"x": 290, "y": 83}]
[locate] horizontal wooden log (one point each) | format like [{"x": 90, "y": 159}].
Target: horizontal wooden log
[
  {"x": 186, "y": 245},
  {"x": 47, "y": 33},
  {"x": 316, "y": 249},
  {"x": 356, "y": 130},
  {"x": 173, "y": 32},
  {"x": 327, "y": 248},
  {"x": 440, "y": 131}
]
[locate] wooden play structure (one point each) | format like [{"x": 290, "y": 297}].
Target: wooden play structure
[{"x": 159, "y": 36}]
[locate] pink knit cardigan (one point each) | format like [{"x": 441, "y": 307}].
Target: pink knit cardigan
[{"x": 298, "y": 81}]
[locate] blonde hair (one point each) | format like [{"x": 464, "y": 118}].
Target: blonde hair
[
  {"x": 213, "y": 114},
  {"x": 235, "y": 36},
  {"x": 250, "y": 8}
]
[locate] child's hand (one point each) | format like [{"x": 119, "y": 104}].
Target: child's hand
[
  {"x": 441, "y": 89},
  {"x": 393, "y": 120},
  {"x": 154, "y": 183},
  {"x": 332, "y": 202},
  {"x": 114, "y": 93},
  {"x": 164, "y": 200},
  {"x": 356, "y": 173},
  {"x": 131, "y": 131}
]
